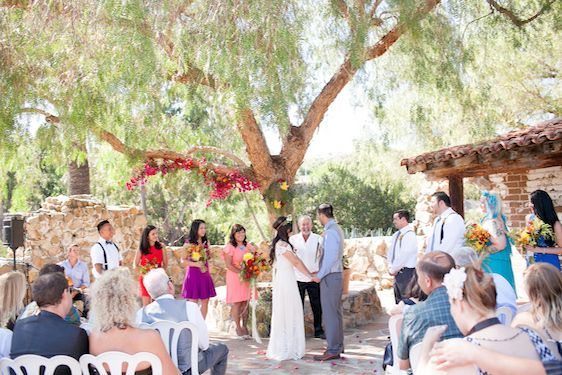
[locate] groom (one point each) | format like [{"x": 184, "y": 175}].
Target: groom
[{"x": 331, "y": 283}]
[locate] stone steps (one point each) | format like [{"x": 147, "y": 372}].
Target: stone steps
[{"x": 360, "y": 306}]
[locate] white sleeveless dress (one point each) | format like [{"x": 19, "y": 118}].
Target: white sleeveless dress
[{"x": 286, "y": 340}]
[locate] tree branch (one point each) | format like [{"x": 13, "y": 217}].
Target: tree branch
[
  {"x": 298, "y": 139},
  {"x": 49, "y": 117},
  {"x": 513, "y": 18},
  {"x": 217, "y": 151}
]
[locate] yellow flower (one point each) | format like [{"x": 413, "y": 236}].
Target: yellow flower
[
  {"x": 284, "y": 186},
  {"x": 248, "y": 256},
  {"x": 277, "y": 204},
  {"x": 195, "y": 256}
]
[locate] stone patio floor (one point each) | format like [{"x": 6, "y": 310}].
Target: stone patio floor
[{"x": 364, "y": 347}]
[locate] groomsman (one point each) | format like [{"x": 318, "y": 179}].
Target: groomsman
[
  {"x": 105, "y": 254},
  {"x": 307, "y": 247},
  {"x": 448, "y": 228},
  {"x": 330, "y": 278},
  {"x": 403, "y": 254}
]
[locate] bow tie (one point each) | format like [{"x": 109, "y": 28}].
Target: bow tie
[{"x": 109, "y": 242}]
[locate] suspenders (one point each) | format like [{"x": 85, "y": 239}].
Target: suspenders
[{"x": 105, "y": 255}]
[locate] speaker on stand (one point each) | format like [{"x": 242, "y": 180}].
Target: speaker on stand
[{"x": 13, "y": 234}]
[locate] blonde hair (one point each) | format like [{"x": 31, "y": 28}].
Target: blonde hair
[
  {"x": 12, "y": 290},
  {"x": 114, "y": 302},
  {"x": 544, "y": 287},
  {"x": 479, "y": 290}
]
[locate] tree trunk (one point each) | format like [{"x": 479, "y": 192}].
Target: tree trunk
[
  {"x": 79, "y": 175},
  {"x": 10, "y": 187}
]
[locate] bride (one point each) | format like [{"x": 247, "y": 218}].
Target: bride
[{"x": 286, "y": 340}]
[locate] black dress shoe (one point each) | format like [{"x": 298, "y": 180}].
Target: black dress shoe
[
  {"x": 326, "y": 357},
  {"x": 320, "y": 336}
]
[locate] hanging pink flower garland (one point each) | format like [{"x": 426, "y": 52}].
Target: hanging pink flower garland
[{"x": 222, "y": 184}]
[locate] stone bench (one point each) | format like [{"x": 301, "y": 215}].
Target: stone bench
[{"x": 360, "y": 306}]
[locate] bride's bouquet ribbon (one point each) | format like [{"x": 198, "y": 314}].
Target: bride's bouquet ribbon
[{"x": 253, "y": 264}]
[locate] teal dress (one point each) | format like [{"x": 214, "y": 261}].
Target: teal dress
[{"x": 500, "y": 263}]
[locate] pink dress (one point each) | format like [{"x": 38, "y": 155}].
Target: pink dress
[{"x": 236, "y": 290}]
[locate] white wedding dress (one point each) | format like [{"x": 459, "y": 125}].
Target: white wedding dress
[{"x": 286, "y": 340}]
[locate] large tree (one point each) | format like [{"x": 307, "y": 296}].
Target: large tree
[{"x": 120, "y": 70}]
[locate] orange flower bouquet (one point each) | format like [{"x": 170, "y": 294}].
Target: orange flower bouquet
[
  {"x": 477, "y": 238},
  {"x": 148, "y": 266},
  {"x": 197, "y": 253},
  {"x": 253, "y": 264}
]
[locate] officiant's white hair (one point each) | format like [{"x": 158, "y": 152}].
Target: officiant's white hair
[
  {"x": 303, "y": 218},
  {"x": 156, "y": 282}
]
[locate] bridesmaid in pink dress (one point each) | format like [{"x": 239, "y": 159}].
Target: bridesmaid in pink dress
[{"x": 237, "y": 292}]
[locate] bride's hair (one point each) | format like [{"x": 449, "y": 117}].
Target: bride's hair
[{"x": 282, "y": 226}]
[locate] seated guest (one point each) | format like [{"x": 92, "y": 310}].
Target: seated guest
[
  {"x": 543, "y": 283},
  {"x": 114, "y": 306},
  {"x": 78, "y": 272},
  {"x": 473, "y": 302},
  {"x": 434, "y": 311},
  {"x": 505, "y": 294},
  {"x": 32, "y": 309},
  {"x": 75, "y": 268},
  {"x": 451, "y": 355},
  {"x": 413, "y": 295},
  {"x": 165, "y": 307},
  {"x": 12, "y": 285},
  {"x": 47, "y": 334}
]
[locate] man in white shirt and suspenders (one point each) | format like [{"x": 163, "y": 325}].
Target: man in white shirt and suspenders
[
  {"x": 403, "y": 254},
  {"x": 307, "y": 247},
  {"x": 448, "y": 228},
  {"x": 105, "y": 254}
]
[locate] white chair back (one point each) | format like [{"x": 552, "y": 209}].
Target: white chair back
[
  {"x": 415, "y": 355},
  {"x": 505, "y": 314},
  {"x": 32, "y": 364},
  {"x": 170, "y": 333},
  {"x": 394, "y": 326},
  {"x": 116, "y": 360}
]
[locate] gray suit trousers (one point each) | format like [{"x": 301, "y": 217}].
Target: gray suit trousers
[{"x": 331, "y": 288}]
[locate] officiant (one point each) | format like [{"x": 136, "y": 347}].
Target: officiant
[{"x": 307, "y": 246}]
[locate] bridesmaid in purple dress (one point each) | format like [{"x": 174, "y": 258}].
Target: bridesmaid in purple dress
[{"x": 198, "y": 285}]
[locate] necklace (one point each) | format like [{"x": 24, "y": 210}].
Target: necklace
[{"x": 483, "y": 324}]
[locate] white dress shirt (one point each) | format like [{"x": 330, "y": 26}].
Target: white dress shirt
[
  {"x": 194, "y": 316},
  {"x": 96, "y": 254},
  {"x": 453, "y": 232},
  {"x": 403, "y": 250},
  {"x": 308, "y": 251}
]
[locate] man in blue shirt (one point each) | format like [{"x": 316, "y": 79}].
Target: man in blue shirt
[{"x": 330, "y": 278}]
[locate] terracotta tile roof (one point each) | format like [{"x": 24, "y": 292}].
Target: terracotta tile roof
[{"x": 550, "y": 130}]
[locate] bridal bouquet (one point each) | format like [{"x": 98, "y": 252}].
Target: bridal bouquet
[
  {"x": 148, "y": 266},
  {"x": 535, "y": 234},
  {"x": 253, "y": 264},
  {"x": 477, "y": 238},
  {"x": 198, "y": 253}
]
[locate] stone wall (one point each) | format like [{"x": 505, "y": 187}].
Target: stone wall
[{"x": 62, "y": 221}]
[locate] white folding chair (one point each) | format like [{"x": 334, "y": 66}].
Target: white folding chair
[
  {"x": 506, "y": 313},
  {"x": 415, "y": 354},
  {"x": 32, "y": 365},
  {"x": 170, "y": 333},
  {"x": 394, "y": 326},
  {"x": 116, "y": 360}
]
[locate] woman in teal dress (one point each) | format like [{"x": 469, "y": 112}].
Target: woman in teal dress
[{"x": 494, "y": 221}]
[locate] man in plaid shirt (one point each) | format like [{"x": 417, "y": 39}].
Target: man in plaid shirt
[{"x": 434, "y": 311}]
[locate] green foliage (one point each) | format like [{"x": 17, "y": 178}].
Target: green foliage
[{"x": 357, "y": 204}]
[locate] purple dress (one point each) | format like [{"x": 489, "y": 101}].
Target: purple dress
[{"x": 197, "y": 284}]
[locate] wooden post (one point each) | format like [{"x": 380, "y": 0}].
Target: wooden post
[{"x": 456, "y": 192}]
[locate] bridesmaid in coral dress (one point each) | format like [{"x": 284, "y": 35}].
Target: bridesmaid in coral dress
[
  {"x": 198, "y": 284},
  {"x": 237, "y": 291},
  {"x": 151, "y": 254}
]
